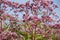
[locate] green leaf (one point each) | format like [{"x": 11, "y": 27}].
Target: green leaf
[
  {"x": 39, "y": 37},
  {"x": 24, "y": 34},
  {"x": 58, "y": 38},
  {"x": 6, "y": 27},
  {"x": 53, "y": 37},
  {"x": 0, "y": 14},
  {"x": 26, "y": 37}
]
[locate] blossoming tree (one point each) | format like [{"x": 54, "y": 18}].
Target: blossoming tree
[{"x": 40, "y": 21}]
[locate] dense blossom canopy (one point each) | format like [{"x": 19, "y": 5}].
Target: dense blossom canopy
[{"x": 31, "y": 27}]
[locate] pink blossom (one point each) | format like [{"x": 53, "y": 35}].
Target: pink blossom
[{"x": 34, "y": 7}]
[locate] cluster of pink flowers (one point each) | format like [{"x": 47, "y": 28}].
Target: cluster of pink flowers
[
  {"x": 31, "y": 27},
  {"x": 8, "y": 35}
]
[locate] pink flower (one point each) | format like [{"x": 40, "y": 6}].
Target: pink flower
[
  {"x": 1, "y": 11},
  {"x": 1, "y": 37},
  {"x": 28, "y": 3},
  {"x": 34, "y": 7},
  {"x": 55, "y": 6},
  {"x": 21, "y": 10},
  {"x": 50, "y": 2},
  {"x": 50, "y": 8},
  {"x": 36, "y": 2},
  {"x": 1, "y": 30},
  {"x": 25, "y": 17},
  {"x": 58, "y": 31},
  {"x": 4, "y": 6},
  {"x": 56, "y": 26},
  {"x": 46, "y": 4},
  {"x": 35, "y": 19},
  {"x": 14, "y": 35},
  {"x": 8, "y": 35},
  {"x": 15, "y": 3},
  {"x": 22, "y": 6},
  {"x": 15, "y": 11}
]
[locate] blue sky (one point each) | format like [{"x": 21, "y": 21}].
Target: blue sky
[
  {"x": 55, "y": 1},
  {"x": 58, "y": 9}
]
